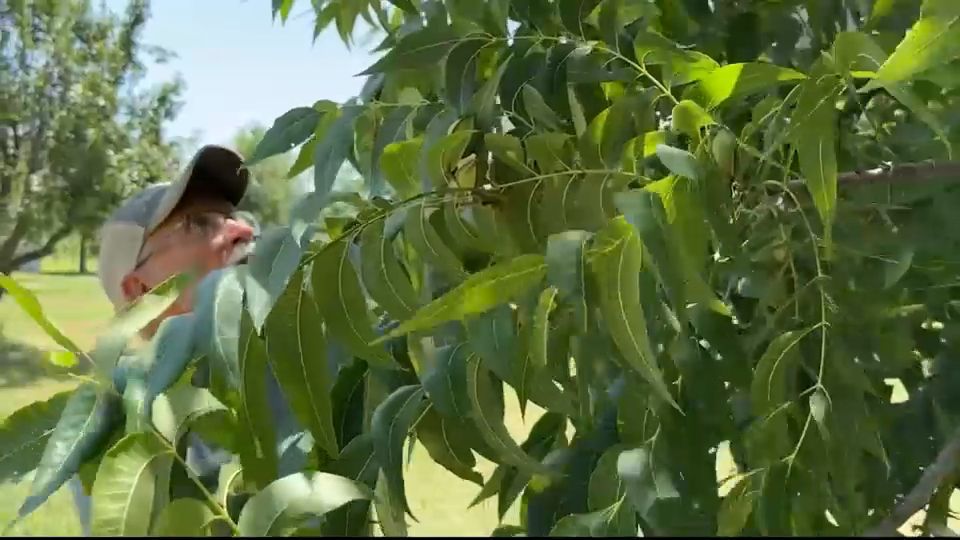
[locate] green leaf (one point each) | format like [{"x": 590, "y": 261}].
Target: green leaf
[
  {"x": 304, "y": 161},
  {"x": 342, "y": 304},
  {"x": 769, "y": 385},
  {"x": 399, "y": 162},
  {"x": 723, "y": 149},
  {"x": 602, "y": 144},
  {"x": 416, "y": 50},
  {"x": 441, "y": 439},
  {"x": 894, "y": 272},
  {"x": 129, "y": 321},
  {"x": 132, "y": 483},
  {"x": 739, "y": 80},
  {"x": 550, "y": 152},
  {"x": 274, "y": 260},
  {"x": 424, "y": 238},
  {"x": 508, "y": 531},
  {"x": 445, "y": 381},
  {"x": 304, "y": 158},
  {"x": 282, "y": 7},
  {"x": 689, "y": 118},
  {"x": 333, "y": 149},
  {"x": 614, "y": 520},
  {"x": 284, "y": 505},
  {"x": 816, "y": 139},
  {"x": 391, "y": 129},
  {"x": 384, "y": 278},
  {"x": 347, "y": 398},
  {"x": 88, "y": 418},
  {"x": 184, "y": 518},
  {"x": 175, "y": 410},
  {"x": 616, "y": 261},
  {"x": 172, "y": 350},
  {"x": 484, "y": 101},
  {"x": 647, "y": 481},
  {"x": 392, "y": 421},
  {"x": 258, "y": 449},
  {"x": 134, "y": 402},
  {"x": 24, "y": 434},
  {"x": 680, "y": 162},
  {"x": 857, "y": 54},
  {"x": 574, "y": 13},
  {"x": 297, "y": 352},
  {"x": 541, "y": 326},
  {"x": 483, "y": 399},
  {"x": 819, "y": 406},
  {"x": 218, "y": 304},
  {"x": 357, "y": 463},
  {"x": 736, "y": 507},
  {"x": 478, "y": 293},
  {"x": 676, "y": 246},
  {"x": 444, "y": 155},
  {"x": 460, "y": 72},
  {"x": 288, "y": 130},
  {"x": 933, "y": 40},
  {"x": 459, "y": 216},
  {"x": 437, "y": 129},
  {"x": 605, "y": 487},
  {"x": 493, "y": 335},
  {"x": 405, "y": 5},
  {"x": 566, "y": 270},
  {"x": 390, "y": 516},
  {"x": 31, "y": 306},
  {"x": 539, "y": 111},
  {"x": 508, "y": 149}
]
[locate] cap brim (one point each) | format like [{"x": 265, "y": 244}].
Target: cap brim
[{"x": 213, "y": 169}]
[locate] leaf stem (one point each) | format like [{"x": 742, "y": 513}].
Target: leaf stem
[
  {"x": 211, "y": 499},
  {"x": 823, "y": 321}
]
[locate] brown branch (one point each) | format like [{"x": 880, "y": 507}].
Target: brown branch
[
  {"x": 943, "y": 466},
  {"x": 44, "y": 250},
  {"x": 10, "y": 244},
  {"x": 906, "y": 173}
]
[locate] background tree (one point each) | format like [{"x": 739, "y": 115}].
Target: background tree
[
  {"x": 77, "y": 133},
  {"x": 271, "y": 191},
  {"x": 694, "y": 233}
]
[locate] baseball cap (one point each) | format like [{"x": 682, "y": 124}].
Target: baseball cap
[{"x": 213, "y": 168}]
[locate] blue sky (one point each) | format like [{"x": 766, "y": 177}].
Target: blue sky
[{"x": 240, "y": 67}]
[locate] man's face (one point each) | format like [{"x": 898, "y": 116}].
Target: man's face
[{"x": 199, "y": 236}]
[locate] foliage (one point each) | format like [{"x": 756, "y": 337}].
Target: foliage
[
  {"x": 271, "y": 191},
  {"x": 632, "y": 214},
  {"x": 77, "y": 132}
]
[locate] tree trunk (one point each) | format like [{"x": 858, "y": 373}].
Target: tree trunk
[
  {"x": 83, "y": 254},
  {"x": 8, "y": 249},
  {"x": 9, "y": 264}
]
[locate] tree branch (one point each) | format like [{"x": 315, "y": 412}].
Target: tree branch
[
  {"x": 44, "y": 250},
  {"x": 10, "y": 244},
  {"x": 943, "y": 466},
  {"x": 906, "y": 173}
]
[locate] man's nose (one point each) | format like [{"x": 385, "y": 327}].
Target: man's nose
[{"x": 237, "y": 231}]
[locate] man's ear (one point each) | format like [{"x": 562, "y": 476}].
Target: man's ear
[{"x": 133, "y": 287}]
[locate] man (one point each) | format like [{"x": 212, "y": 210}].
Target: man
[{"x": 167, "y": 229}]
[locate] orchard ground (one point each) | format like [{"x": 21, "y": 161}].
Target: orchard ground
[{"x": 438, "y": 499}]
